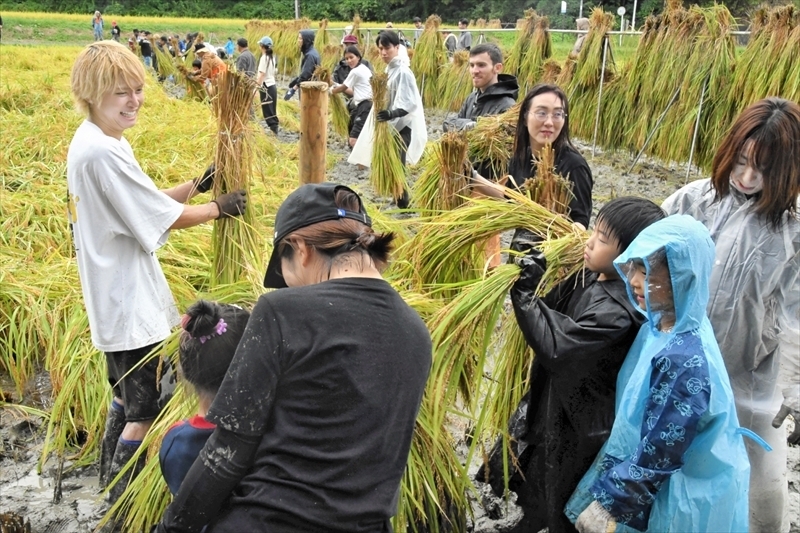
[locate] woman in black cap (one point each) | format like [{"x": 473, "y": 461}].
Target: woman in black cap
[{"x": 316, "y": 414}]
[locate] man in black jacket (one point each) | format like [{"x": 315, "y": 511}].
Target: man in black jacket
[
  {"x": 494, "y": 92},
  {"x": 305, "y": 40}
]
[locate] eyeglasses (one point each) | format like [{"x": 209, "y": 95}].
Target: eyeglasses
[{"x": 557, "y": 116}]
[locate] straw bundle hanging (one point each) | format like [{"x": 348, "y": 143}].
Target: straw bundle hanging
[
  {"x": 443, "y": 183},
  {"x": 709, "y": 66},
  {"x": 429, "y": 55},
  {"x": 525, "y": 27},
  {"x": 455, "y": 83},
  {"x": 322, "y": 38},
  {"x": 539, "y": 49},
  {"x": 387, "y": 172},
  {"x": 234, "y": 240},
  {"x": 589, "y": 64},
  {"x": 551, "y": 69},
  {"x": 340, "y": 117},
  {"x": 330, "y": 56}
]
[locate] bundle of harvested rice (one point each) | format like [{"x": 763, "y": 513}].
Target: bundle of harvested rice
[
  {"x": 387, "y": 172},
  {"x": 455, "y": 82},
  {"x": 429, "y": 56},
  {"x": 444, "y": 180},
  {"x": 340, "y": 117}
]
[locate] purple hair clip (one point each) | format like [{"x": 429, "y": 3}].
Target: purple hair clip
[{"x": 219, "y": 329}]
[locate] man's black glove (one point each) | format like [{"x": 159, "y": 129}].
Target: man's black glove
[
  {"x": 389, "y": 114},
  {"x": 232, "y": 204},
  {"x": 206, "y": 181}
]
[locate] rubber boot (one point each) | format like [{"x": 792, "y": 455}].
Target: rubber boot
[
  {"x": 403, "y": 201},
  {"x": 115, "y": 423},
  {"x": 125, "y": 451}
]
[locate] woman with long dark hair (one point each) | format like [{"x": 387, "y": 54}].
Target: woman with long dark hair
[
  {"x": 544, "y": 119},
  {"x": 750, "y": 207}
]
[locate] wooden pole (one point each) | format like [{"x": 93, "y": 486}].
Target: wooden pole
[{"x": 313, "y": 131}]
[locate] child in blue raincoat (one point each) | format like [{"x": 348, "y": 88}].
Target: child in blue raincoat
[{"x": 675, "y": 460}]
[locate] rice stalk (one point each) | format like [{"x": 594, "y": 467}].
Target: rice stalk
[
  {"x": 322, "y": 37},
  {"x": 448, "y": 240},
  {"x": 234, "y": 240},
  {"x": 429, "y": 56},
  {"x": 340, "y": 116},
  {"x": 538, "y": 50},
  {"x": 455, "y": 83},
  {"x": 492, "y": 139},
  {"x": 387, "y": 172},
  {"x": 549, "y": 189},
  {"x": 443, "y": 182},
  {"x": 330, "y": 56},
  {"x": 526, "y": 27}
]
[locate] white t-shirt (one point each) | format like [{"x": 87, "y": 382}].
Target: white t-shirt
[
  {"x": 358, "y": 80},
  {"x": 118, "y": 219},
  {"x": 268, "y": 69}
]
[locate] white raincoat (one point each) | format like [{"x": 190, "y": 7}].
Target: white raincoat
[
  {"x": 754, "y": 312},
  {"x": 403, "y": 94}
]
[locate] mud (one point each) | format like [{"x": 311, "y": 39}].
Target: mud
[{"x": 24, "y": 492}]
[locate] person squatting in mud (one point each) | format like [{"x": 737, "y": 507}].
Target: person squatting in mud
[{"x": 315, "y": 416}]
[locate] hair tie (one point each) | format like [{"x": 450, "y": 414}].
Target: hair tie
[
  {"x": 185, "y": 321},
  {"x": 219, "y": 329}
]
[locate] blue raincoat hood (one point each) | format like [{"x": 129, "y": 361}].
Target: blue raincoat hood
[{"x": 690, "y": 256}]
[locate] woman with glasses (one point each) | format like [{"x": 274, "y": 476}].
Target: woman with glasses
[{"x": 544, "y": 119}]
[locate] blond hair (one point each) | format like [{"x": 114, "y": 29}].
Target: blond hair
[{"x": 100, "y": 68}]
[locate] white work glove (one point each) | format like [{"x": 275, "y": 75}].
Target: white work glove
[{"x": 595, "y": 519}]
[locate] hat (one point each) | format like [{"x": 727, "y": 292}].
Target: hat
[
  {"x": 310, "y": 204},
  {"x": 350, "y": 39},
  {"x": 265, "y": 41}
]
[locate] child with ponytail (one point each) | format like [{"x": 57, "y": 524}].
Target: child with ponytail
[{"x": 211, "y": 332}]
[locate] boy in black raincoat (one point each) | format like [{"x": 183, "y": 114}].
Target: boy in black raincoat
[{"x": 580, "y": 333}]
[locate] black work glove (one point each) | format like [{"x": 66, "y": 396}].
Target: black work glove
[
  {"x": 206, "y": 181},
  {"x": 794, "y": 437},
  {"x": 389, "y": 114},
  {"x": 533, "y": 265},
  {"x": 232, "y": 204},
  {"x": 524, "y": 240}
]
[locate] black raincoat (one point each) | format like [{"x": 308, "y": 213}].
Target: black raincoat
[
  {"x": 310, "y": 58},
  {"x": 580, "y": 333}
]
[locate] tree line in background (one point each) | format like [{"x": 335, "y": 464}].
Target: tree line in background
[{"x": 508, "y": 11}]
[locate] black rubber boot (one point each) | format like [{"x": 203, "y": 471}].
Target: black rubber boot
[
  {"x": 123, "y": 454},
  {"x": 403, "y": 201},
  {"x": 115, "y": 423}
]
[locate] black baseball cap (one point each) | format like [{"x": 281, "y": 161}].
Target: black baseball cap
[{"x": 309, "y": 204}]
